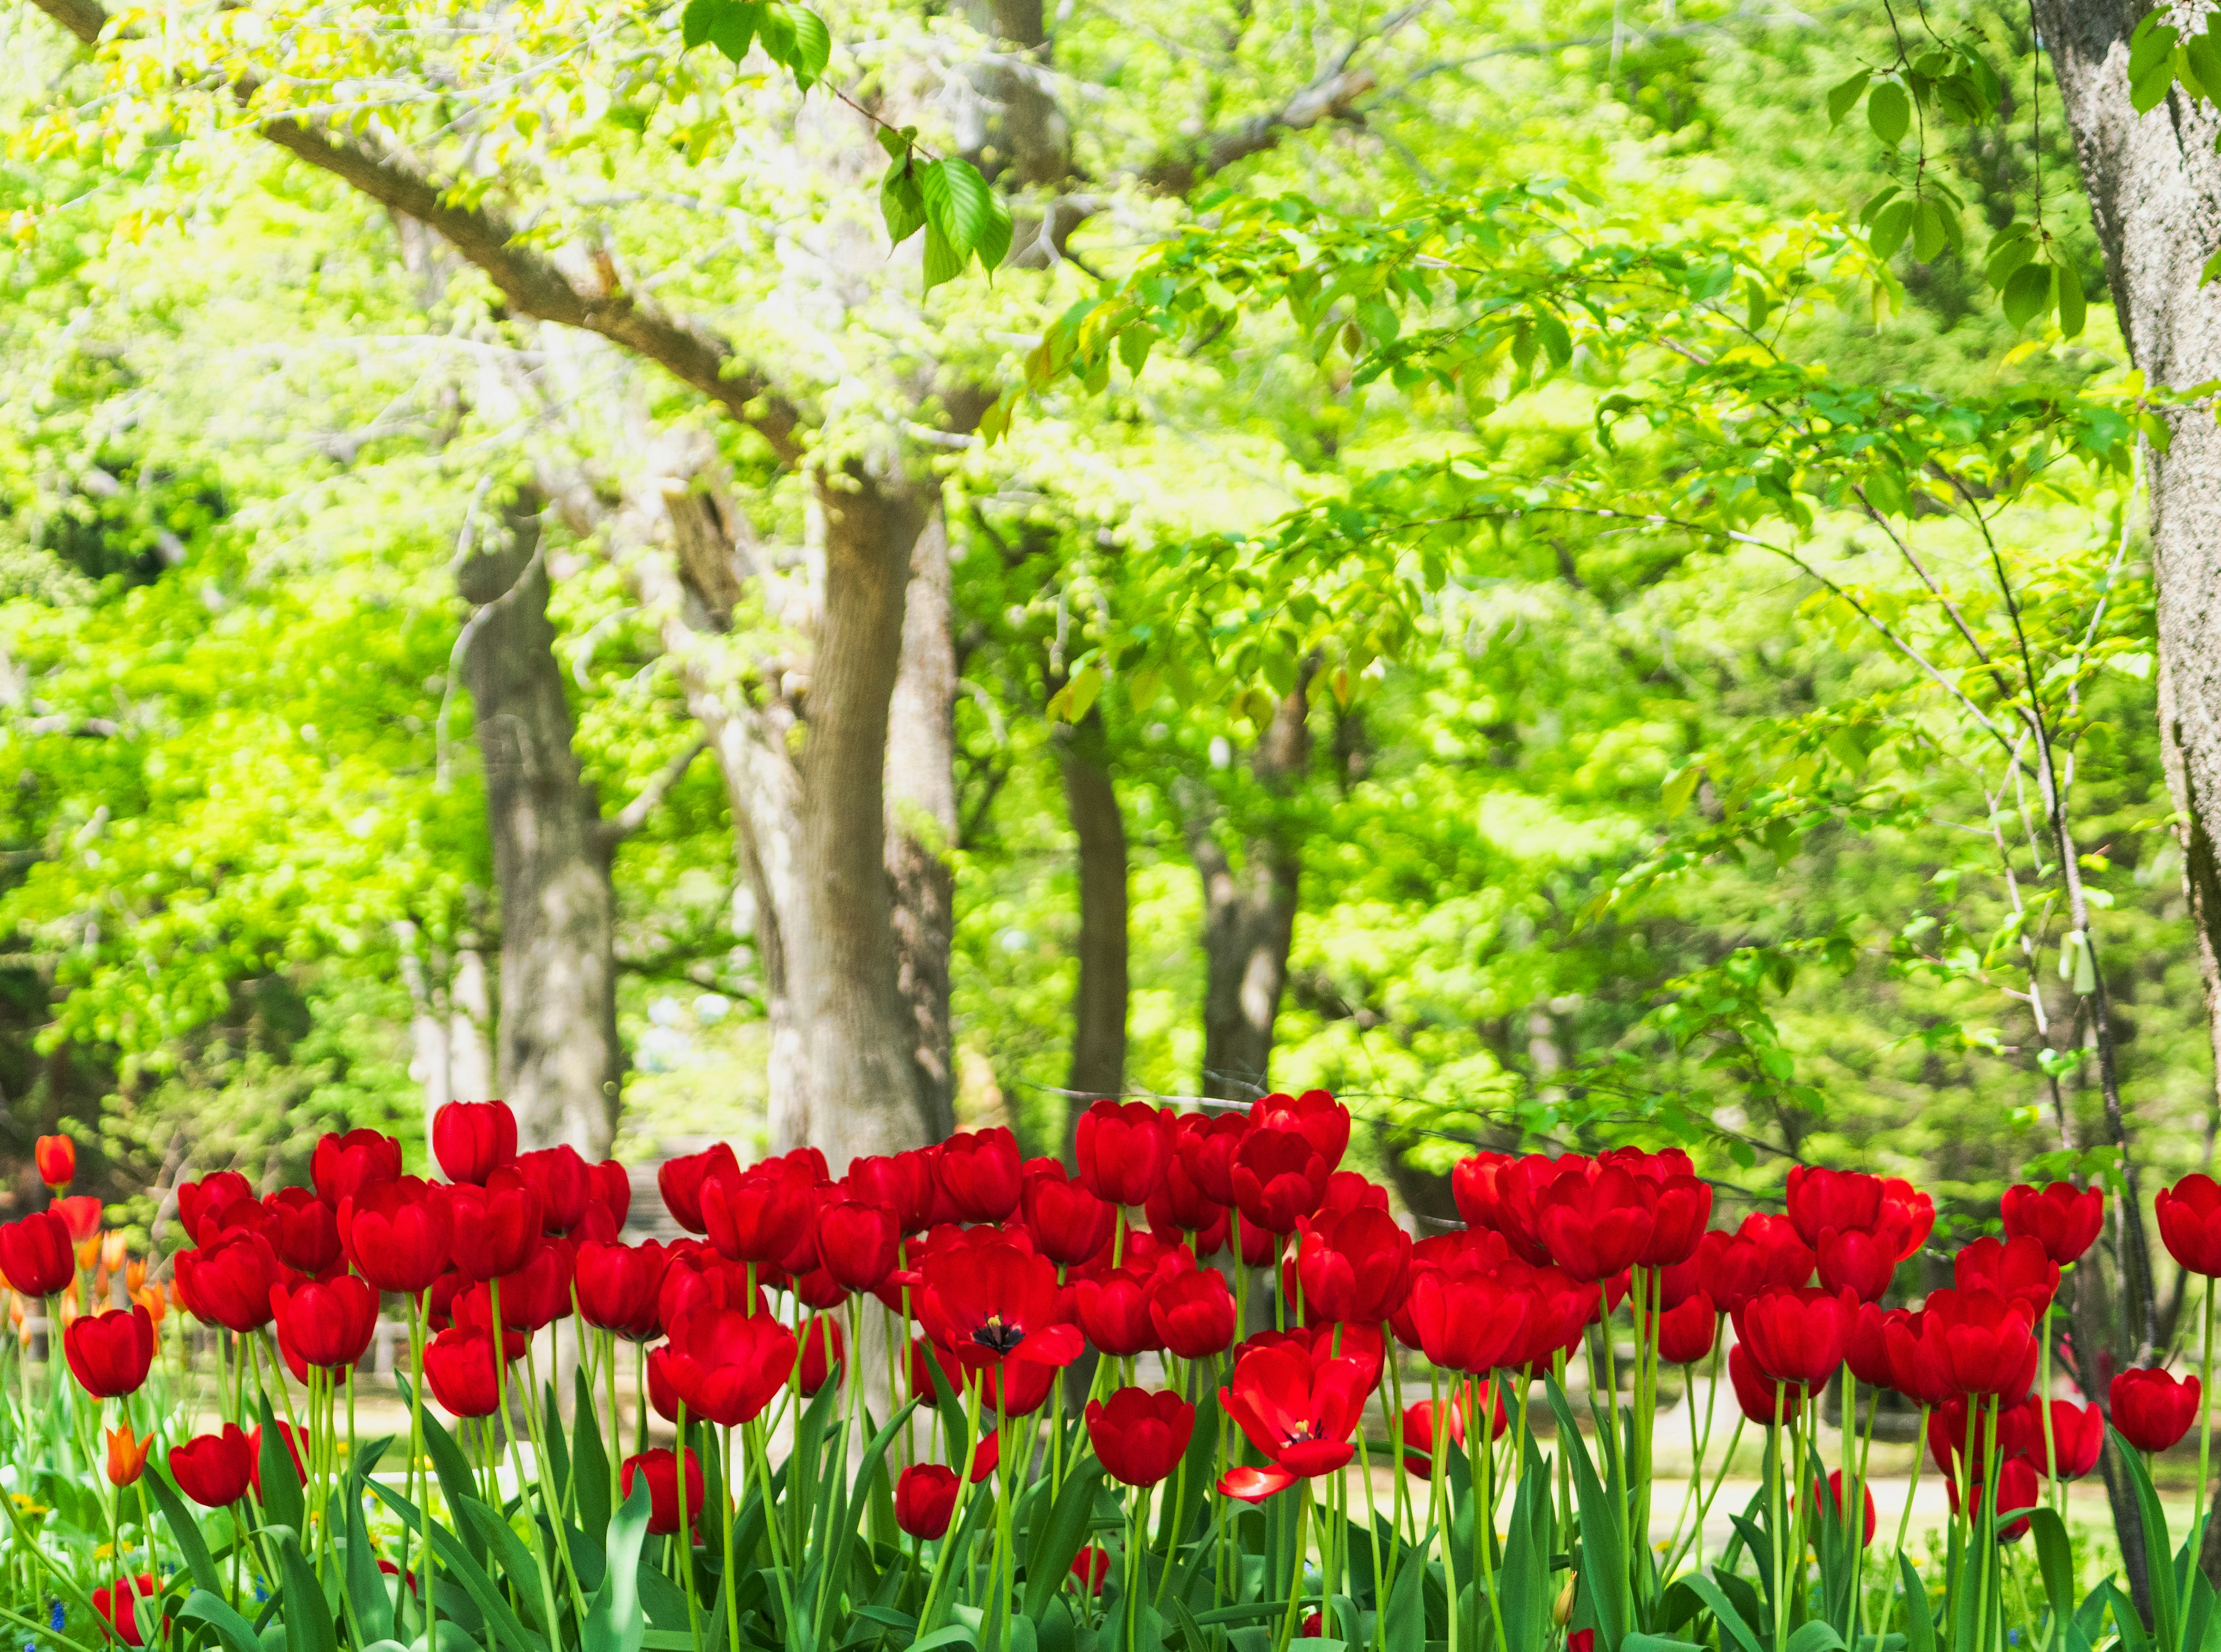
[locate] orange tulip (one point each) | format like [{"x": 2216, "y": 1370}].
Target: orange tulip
[
  {"x": 156, "y": 1302},
  {"x": 126, "y": 1457},
  {"x": 17, "y": 1316},
  {"x": 88, "y": 1252},
  {"x": 113, "y": 1251},
  {"x": 134, "y": 1275}
]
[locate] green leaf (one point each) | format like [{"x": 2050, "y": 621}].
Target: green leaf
[
  {"x": 1919, "y": 1620},
  {"x": 2201, "y": 58},
  {"x": 2151, "y": 63},
  {"x": 1086, "y": 683},
  {"x": 994, "y": 244},
  {"x": 1557, "y": 342},
  {"x": 1889, "y": 112},
  {"x": 281, "y": 1503},
  {"x": 1731, "y": 1624},
  {"x": 2071, "y": 307},
  {"x": 942, "y": 262},
  {"x": 733, "y": 27},
  {"x": 1815, "y": 1636},
  {"x": 307, "y": 1614},
  {"x": 613, "y": 1620},
  {"x": 1844, "y": 97},
  {"x": 367, "y": 1601},
  {"x": 900, "y": 203},
  {"x": 463, "y": 1565},
  {"x": 1929, "y": 235},
  {"x": 1048, "y": 1559},
  {"x": 1604, "y": 1534},
  {"x": 2027, "y": 294},
  {"x": 1889, "y": 228},
  {"x": 958, "y": 202},
  {"x": 813, "y": 47},
  {"x": 694, "y": 22},
  {"x": 185, "y": 1530},
  {"x": 206, "y": 1606}
]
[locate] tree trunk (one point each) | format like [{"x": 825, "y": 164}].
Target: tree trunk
[
  {"x": 2154, "y": 182},
  {"x": 1098, "y": 1005},
  {"x": 921, "y": 823},
  {"x": 560, "y": 1062},
  {"x": 1250, "y": 916}
]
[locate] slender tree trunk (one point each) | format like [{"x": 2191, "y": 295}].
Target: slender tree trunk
[
  {"x": 921, "y": 823},
  {"x": 2154, "y": 182},
  {"x": 1098, "y": 1004},
  {"x": 560, "y": 1062},
  {"x": 1250, "y": 916}
]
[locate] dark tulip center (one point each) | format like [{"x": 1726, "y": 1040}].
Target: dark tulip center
[{"x": 996, "y": 1337}]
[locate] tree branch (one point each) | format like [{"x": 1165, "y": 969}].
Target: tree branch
[{"x": 634, "y": 815}]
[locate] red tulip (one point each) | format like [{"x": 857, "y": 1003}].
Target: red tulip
[
  {"x": 1140, "y": 1437},
  {"x": 1685, "y": 1334},
  {"x": 902, "y": 1182},
  {"x": 36, "y": 1255},
  {"x": 991, "y": 1302},
  {"x": 756, "y": 1215},
  {"x": 2153, "y": 1410},
  {"x": 1684, "y": 1206},
  {"x": 1181, "y": 1203},
  {"x": 472, "y": 1139},
  {"x": 228, "y": 1283},
  {"x": 2020, "y": 1270},
  {"x": 1798, "y": 1334},
  {"x": 1834, "y": 1501},
  {"x": 535, "y": 1295},
  {"x": 1069, "y": 1224},
  {"x": 1468, "y": 1320},
  {"x": 1279, "y": 1178},
  {"x": 197, "y": 1201},
  {"x": 1764, "y": 1252},
  {"x": 1755, "y": 1391},
  {"x": 80, "y": 1215},
  {"x": 1823, "y": 1198},
  {"x": 398, "y": 1234},
  {"x": 1205, "y": 1145},
  {"x": 1867, "y": 1352},
  {"x": 290, "y": 1438},
  {"x": 823, "y": 1351},
  {"x": 117, "y": 1607},
  {"x": 329, "y": 1325},
  {"x": 1356, "y": 1266},
  {"x": 494, "y": 1227},
  {"x": 108, "y": 1353},
  {"x": 565, "y": 1183},
  {"x": 303, "y": 1229},
  {"x": 727, "y": 1366},
  {"x": 2064, "y": 1219},
  {"x": 979, "y": 1170},
  {"x": 2190, "y": 1224},
  {"x": 856, "y": 1243},
  {"x": 1113, "y": 1310},
  {"x": 459, "y": 1364},
  {"x": 56, "y": 1157},
  {"x": 1595, "y": 1229},
  {"x": 1415, "y": 1429},
  {"x": 609, "y": 1185},
  {"x": 1908, "y": 1216},
  {"x": 1297, "y": 1411},
  {"x": 1919, "y": 1367},
  {"x": 2078, "y": 1438},
  {"x": 1856, "y": 1260},
  {"x": 1986, "y": 1343},
  {"x": 214, "y": 1470},
  {"x": 660, "y": 1469},
  {"x": 618, "y": 1287},
  {"x": 1322, "y": 1119},
  {"x": 351, "y": 1165},
  {"x": 1193, "y": 1312},
  {"x": 1557, "y": 1311},
  {"x": 1122, "y": 1148},
  {"x": 925, "y": 1497},
  {"x": 680, "y": 1181},
  {"x": 1091, "y": 1567}
]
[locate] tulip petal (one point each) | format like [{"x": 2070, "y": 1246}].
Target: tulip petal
[{"x": 1250, "y": 1485}]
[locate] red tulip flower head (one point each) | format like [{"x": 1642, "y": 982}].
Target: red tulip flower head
[
  {"x": 1320, "y": 1119},
  {"x": 989, "y": 1303},
  {"x": 925, "y": 1496},
  {"x": 472, "y": 1139},
  {"x": 1470, "y": 1321},
  {"x": 398, "y": 1234},
  {"x": 56, "y": 1157},
  {"x": 1415, "y": 1430},
  {"x": 458, "y": 1365},
  {"x": 1192, "y": 1312},
  {"x": 2078, "y": 1438},
  {"x": 1279, "y": 1177},
  {"x": 979, "y": 1171},
  {"x": 214, "y": 1470},
  {"x": 327, "y": 1325},
  {"x": 565, "y": 1182},
  {"x": 1686, "y": 1333},
  {"x": 618, "y": 1286},
  {"x": 1683, "y": 1205},
  {"x": 495, "y": 1227},
  {"x": 1986, "y": 1342},
  {"x": 286, "y": 1436},
  {"x": 1919, "y": 1365},
  {"x": 680, "y": 1181},
  {"x": 1855, "y": 1260},
  {"x": 1122, "y": 1148},
  {"x": 1867, "y": 1351},
  {"x": 1140, "y": 1437},
  {"x": 856, "y": 1241},
  {"x": 1756, "y": 1392},
  {"x": 1112, "y": 1309},
  {"x": 1353, "y": 1267},
  {"x": 2020, "y": 1270},
  {"x": 109, "y": 1353},
  {"x": 1206, "y": 1143},
  {"x": 1297, "y": 1411},
  {"x": 2017, "y": 1494},
  {"x": 660, "y": 1469},
  {"x": 303, "y": 1230},
  {"x": 1822, "y": 1198},
  {"x": 1798, "y": 1334},
  {"x": 228, "y": 1283},
  {"x": 757, "y": 1215},
  {"x": 2190, "y": 1224},
  {"x": 1764, "y": 1252},
  {"x": 2153, "y": 1410},
  {"x": 345, "y": 1166},
  {"x": 1834, "y": 1501},
  {"x": 2063, "y": 1218},
  {"x": 81, "y": 1216},
  {"x": 117, "y": 1607},
  {"x": 1069, "y": 1224},
  {"x": 823, "y": 1351},
  {"x": 1596, "y": 1227},
  {"x": 36, "y": 1254},
  {"x": 727, "y": 1366},
  {"x": 198, "y": 1200}
]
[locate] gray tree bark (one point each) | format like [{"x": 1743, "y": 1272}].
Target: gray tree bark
[
  {"x": 2153, "y": 182},
  {"x": 1098, "y": 1002},
  {"x": 1249, "y": 915},
  {"x": 559, "y": 1063}
]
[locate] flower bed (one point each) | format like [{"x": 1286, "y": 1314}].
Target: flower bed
[{"x": 886, "y": 1446}]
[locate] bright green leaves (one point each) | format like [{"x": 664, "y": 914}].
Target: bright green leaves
[
  {"x": 793, "y": 37},
  {"x": 1950, "y": 79},
  {"x": 1929, "y": 221},
  {"x": 2160, "y": 57},
  {"x": 1889, "y": 112},
  {"x": 2033, "y": 279},
  {"x": 962, "y": 218}
]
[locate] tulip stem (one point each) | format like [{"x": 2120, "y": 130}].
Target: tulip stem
[
  {"x": 1296, "y": 1575},
  {"x": 1780, "y": 1520},
  {"x": 2204, "y": 1421}
]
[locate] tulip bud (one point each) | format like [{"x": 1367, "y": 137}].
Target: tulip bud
[
  {"x": 1562, "y": 1612},
  {"x": 56, "y": 1156}
]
